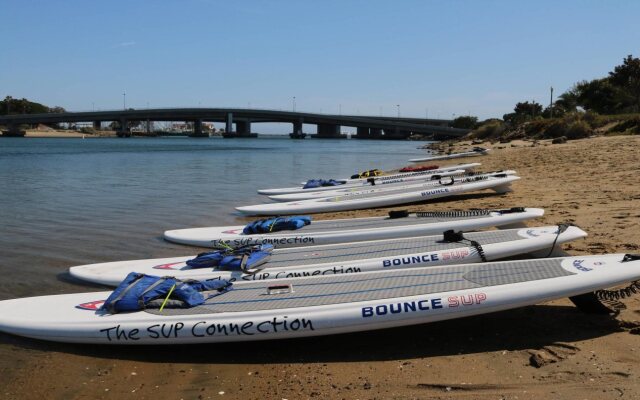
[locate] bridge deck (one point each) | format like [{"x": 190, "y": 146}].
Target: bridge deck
[{"x": 391, "y": 126}]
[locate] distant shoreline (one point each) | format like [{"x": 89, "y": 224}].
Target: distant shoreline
[
  {"x": 66, "y": 134},
  {"x": 33, "y": 133}
]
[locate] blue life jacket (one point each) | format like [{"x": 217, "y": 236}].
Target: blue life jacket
[
  {"x": 276, "y": 224},
  {"x": 243, "y": 258},
  {"x": 314, "y": 183},
  {"x": 139, "y": 291},
  {"x": 246, "y": 259},
  {"x": 210, "y": 259}
]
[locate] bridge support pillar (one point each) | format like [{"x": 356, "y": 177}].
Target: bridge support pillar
[
  {"x": 13, "y": 130},
  {"x": 123, "y": 128},
  {"x": 228, "y": 127},
  {"x": 197, "y": 129},
  {"x": 375, "y": 133},
  {"x": 328, "y": 131},
  {"x": 363, "y": 133},
  {"x": 149, "y": 127},
  {"x": 97, "y": 125},
  {"x": 243, "y": 128},
  {"x": 298, "y": 130}
]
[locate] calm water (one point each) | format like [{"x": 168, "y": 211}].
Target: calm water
[{"x": 66, "y": 202}]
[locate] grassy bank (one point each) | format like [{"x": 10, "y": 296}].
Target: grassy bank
[{"x": 571, "y": 126}]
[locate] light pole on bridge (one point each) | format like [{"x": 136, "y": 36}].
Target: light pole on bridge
[
  {"x": 398, "y": 105},
  {"x": 294, "y": 103},
  {"x": 124, "y": 101}
]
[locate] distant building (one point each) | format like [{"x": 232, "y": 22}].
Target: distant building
[{"x": 188, "y": 127}]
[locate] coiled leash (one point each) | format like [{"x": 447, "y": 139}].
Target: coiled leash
[
  {"x": 618, "y": 294},
  {"x": 451, "y": 182},
  {"x": 592, "y": 302},
  {"x": 453, "y": 213},
  {"x": 474, "y": 212}
]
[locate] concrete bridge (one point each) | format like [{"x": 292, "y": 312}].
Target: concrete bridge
[{"x": 329, "y": 126}]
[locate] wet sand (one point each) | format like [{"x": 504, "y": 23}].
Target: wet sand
[{"x": 590, "y": 182}]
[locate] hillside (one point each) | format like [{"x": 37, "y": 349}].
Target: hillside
[{"x": 571, "y": 126}]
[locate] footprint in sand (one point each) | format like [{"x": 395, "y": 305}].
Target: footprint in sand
[{"x": 552, "y": 353}]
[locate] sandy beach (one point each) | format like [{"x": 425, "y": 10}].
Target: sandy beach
[{"x": 590, "y": 182}]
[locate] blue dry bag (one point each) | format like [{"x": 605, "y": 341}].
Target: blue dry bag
[{"x": 314, "y": 183}]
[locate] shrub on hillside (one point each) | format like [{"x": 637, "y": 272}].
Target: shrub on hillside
[
  {"x": 491, "y": 129},
  {"x": 578, "y": 130},
  {"x": 537, "y": 128},
  {"x": 555, "y": 129},
  {"x": 595, "y": 120},
  {"x": 632, "y": 125},
  {"x": 465, "y": 122},
  {"x": 571, "y": 125}
]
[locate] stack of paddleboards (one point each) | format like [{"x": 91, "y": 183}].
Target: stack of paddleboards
[
  {"x": 340, "y": 199},
  {"x": 397, "y": 187},
  {"x": 376, "y": 180},
  {"x": 286, "y": 277}
]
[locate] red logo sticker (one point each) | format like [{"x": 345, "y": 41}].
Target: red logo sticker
[
  {"x": 167, "y": 266},
  {"x": 92, "y": 305}
]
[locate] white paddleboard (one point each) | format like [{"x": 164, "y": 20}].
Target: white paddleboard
[
  {"x": 348, "y": 258},
  {"x": 356, "y": 229},
  {"x": 379, "y": 180},
  {"x": 396, "y": 186},
  {"x": 345, "y": 203},
  {"x": 451, "y": 156},
  {"x": 367, "y": 184},
  {"x": 322, "y": 305}
]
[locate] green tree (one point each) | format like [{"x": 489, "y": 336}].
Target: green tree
[
  {"x": 465, "y": 122},
  {"x": 567, "y": 101},
  {"x": 523, "y": 111},
  {"x": 558, "y": 111},
  {"x": 23, "y": 106},
  {"x": 627, "y": 78},
  {"x": 600, "y": 95},
  {"x": 527, "y": 108}
]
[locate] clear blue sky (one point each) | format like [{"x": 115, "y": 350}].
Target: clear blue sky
[{"x": 477, "y": 57}]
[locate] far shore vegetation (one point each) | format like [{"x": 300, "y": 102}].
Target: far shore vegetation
[{"x": 605, "y": 106}]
